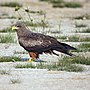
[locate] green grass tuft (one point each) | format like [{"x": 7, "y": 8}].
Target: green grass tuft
[
  {"x": 56, "y": 1},
  {"x": 78, "y": 60},
  {"x": 38, "y": 24},
  {"x": 64, "y": 64},
  {"x": 78, "y": 39},
  {"x": 84, "y": 31},
  {"x": 62, "y": 3},
  {"x": 28, "y": 65},
  {"x": 61, "y": 38},
  {"x": 11, "y": 4},
  {"x": 73, "y": 38},
  {"x": 9, "y": 59},
  {"x": 86, "y": 16},
  {"x": 15, "y": 80},
  {"x": 35, "y": 12},
  {"x": 7, "y": 16},
  {"x": 67, "y": 67},
  {"x": 4, "y": 72},
  {"x": 9, "y": 29},
  {"x": 73, "y": 4},
  {"x": 84, "y": 47},
  {"x": 80, "y": 25},
  {"x": 6, "y": 39},
  {"x": 85, "y": 39}
]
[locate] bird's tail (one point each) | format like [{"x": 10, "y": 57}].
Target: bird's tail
[{"x": 65, "y": 48}]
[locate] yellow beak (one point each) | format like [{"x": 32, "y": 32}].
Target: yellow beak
[{"x": 14, "y": 28}]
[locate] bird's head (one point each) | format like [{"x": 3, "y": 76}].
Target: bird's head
[{"x": 18, "y": 26}]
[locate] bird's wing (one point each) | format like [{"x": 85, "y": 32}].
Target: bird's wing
[
  {"x": 31, "y": 40},
  {"x": 41, "y": 43}
]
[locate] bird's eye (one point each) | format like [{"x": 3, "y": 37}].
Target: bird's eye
[{"x": 18, "y": 26}]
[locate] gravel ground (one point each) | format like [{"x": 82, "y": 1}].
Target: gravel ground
[{"x": 42, "y": 79}]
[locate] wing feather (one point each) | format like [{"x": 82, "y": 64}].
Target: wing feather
[{"x": 37, "y": 41}]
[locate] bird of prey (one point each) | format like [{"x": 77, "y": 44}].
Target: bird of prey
[{"x": 37, "y": 43}]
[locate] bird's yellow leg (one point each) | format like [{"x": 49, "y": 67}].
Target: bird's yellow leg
[
  {"x": 31, "y": 60},
  {"x": 33, "y": 56}
]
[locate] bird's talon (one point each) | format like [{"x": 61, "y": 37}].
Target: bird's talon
[{"x": 30, "y": 60}]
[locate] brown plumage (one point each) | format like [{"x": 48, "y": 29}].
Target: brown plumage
[{"x": 36, "y": 43}]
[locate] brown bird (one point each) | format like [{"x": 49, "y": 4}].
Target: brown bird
[{"x": 36, "y": 43}]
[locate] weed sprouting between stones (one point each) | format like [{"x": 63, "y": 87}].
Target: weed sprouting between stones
[
  {"x": 10, "y": 4},
  {"x": 82, "y": 17},
  {"x": 83, "y": 31},
  {"x": 31, "y": 22},
  {"x": 62, "y": 3},
  {"x": 84, "y": 47},
  {"x": 15, "y": 80},
  {"x": 78, "y": 39},
  {"x": 80, "y": 25},
  {"x": 65, "y": 64},
  {"x": 7, "y": 38},
  {"x": 4, "y": 71},
  {"x": 27, "y": 65},
  {"x": 9, "y": 59},
  {"x": 9, "y": 29}
]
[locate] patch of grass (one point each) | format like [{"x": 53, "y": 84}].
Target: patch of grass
[
  {"x": 86, "y": 16},
  {"x": 42, "y": 22},
  {"x": 35, "y": 12},
  {"x": 63, "y": 38},
  {"x": 9, "y": 29},
  {"x": 38, "y": 24},
  {"x": 41, "y": 12},
  {"x": 78, "y": 39},
  {"x": 15, "y": 80},
  {"x": 84, "y": 31},
  {"x": 62, "y": 65},
  {"x": 70, "y": 64},
  {"x": 59, "y": 5},
  {"x": 85, "y": 39},
  {"x": 74, "y": 68},
  {"x": 66, "y": 67},
  {"x": 73, "y": 38},
  {"x": 6, "y": 15},
  {"x": 78, "y": 60},
  {"x": 30, "y": 11},
  {"x": 62, "y": 3},
  {"x": 20, "y": 52},
  {"x": 56, "y": 1},
  {"x": 11, "y": 4},
  {"x": 73, "y": 4},
  {"x": 44, "y": 0},
  {"x": 4, "y": 72},
  {"x": 9, "y": 59},
  {"x": 65, "y": 64},
  {"x": 55, "y": 32},
  {"x": 6, "y": 39},
  {"x": 80, "y": 25},
  {"x": 84, "y": 47},
  {"x": 27, "y": 65}
]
